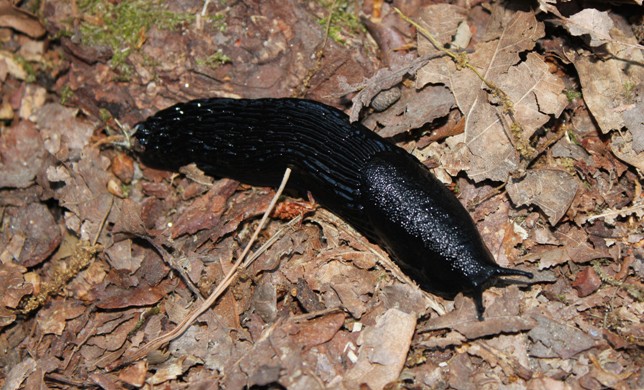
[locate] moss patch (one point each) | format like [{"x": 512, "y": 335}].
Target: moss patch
[
  {"x": 344, "y": 20},
  {"x": 123, "y": 26}
]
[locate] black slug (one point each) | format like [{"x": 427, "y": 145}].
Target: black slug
[{"x": 379, "y": 188}]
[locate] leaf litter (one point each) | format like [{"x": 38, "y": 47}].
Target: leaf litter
[{"x": 100, "y": 254}]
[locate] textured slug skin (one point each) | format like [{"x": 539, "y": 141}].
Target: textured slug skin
[{"x": 379, "y": 188}]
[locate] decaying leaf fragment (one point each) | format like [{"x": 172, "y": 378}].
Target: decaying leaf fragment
[
  {"x": 533, "y": 94},
  {"x": 590, "y": 21},
  {"x": 552, "y": 190},
  {"x": 383, "y": 351}
]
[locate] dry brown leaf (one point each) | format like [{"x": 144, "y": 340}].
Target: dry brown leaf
[
  {"x": 173, "y": 369},
  {"x": 553, "y": 339},
  {"x": 383, "y": 350},
  {"x": 536, "y": 93},
  {"x": 54, "y": 317},
  {"x": 612, "y": 86},
  {"x": 205, "y": 211},
  {"x": 502, "y": 316},
  {"x": 317, "y": 331},
  {"x": 622, "y": 147},
  {"x": 490, "y": 152},
  {"x": 63, "y": 131},
  {"x": 596, "y": 24},
  {"x": 552, "y": 190},
  {"x": 142, "y": 295},
  {"x": 18, "y": 373},
  {"x": 383, "y": 79},
  {"x": 22, "y": 155},
  {"x": 20, "y": 20},
  {"x": 413, "y": 110}
]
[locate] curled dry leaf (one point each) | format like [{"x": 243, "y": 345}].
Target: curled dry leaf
[{"x": 20, "y": 20}]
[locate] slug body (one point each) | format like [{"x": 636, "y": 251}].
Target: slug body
[{"x": 379, "y": 188}]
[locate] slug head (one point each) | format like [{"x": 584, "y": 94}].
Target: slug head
[
  {"x": 160, "y": 142},
  {"x": 427, "y": 229}
]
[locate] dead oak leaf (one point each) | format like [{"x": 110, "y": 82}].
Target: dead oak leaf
[
  {"x": 53, "y": 318},
  {"x": 40, "y": 231},
  {"x": 502, "y": 316},
  {"x": 612, "y": 86},
  {"x": 316, "y": 331},
  {"x": 414, "y": 109}
]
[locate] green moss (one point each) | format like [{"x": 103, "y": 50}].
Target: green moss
[
  {"x": 104, "y": 114},
  {"x": 66, "y": 94},
  {"x": 344, "y": 20},
  {"x": 123, "y": 26},
  {"x": 572, "y": 94},
  {"x": 217, "y": 21},
  {"x": 214, "y": 60},
  {"x": 27, "y": 66},
  {"x": 572, "y": 136},
  {"x": 629, "y": 89}
]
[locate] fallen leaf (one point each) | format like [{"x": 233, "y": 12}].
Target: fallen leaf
[
  {"x": 54, "y": 317},
  {"x": 205, "y": 211},
  {"x": 553, "y": 339},
  {"x": 536, "y": 93},
  {"x": 614, "y": 96},
  {"x": 414, "y": 109},
  {"x": 502, "y": 316},
  {"x": 143, "y": 295},
  {"x": 22, "y": 155},
  {"x": 64, "y": 132},
  {"x": 552, "y": 190},
  {"x": 18, "y": 373},
  {"x": 622, "y": 147},
  {"x": 317, "y": 331},
  {"x": 586, "y": 282},
  {"x": 172, "y": 369},
  {"x": 592, "y": 22},
  {"x": 20, "y": 20},
  {"x": 383, "y": 350},
  {"x": 135, "y": 374},
  {"x": 490, "y": 152}
]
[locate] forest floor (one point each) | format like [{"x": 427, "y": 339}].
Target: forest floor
[{"x": 532, "y": 112}]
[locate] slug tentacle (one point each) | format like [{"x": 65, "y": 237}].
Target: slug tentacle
[{"x": 376, "y": 186}]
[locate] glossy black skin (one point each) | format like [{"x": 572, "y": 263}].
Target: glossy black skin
[{"x": 379, "y": 188}]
